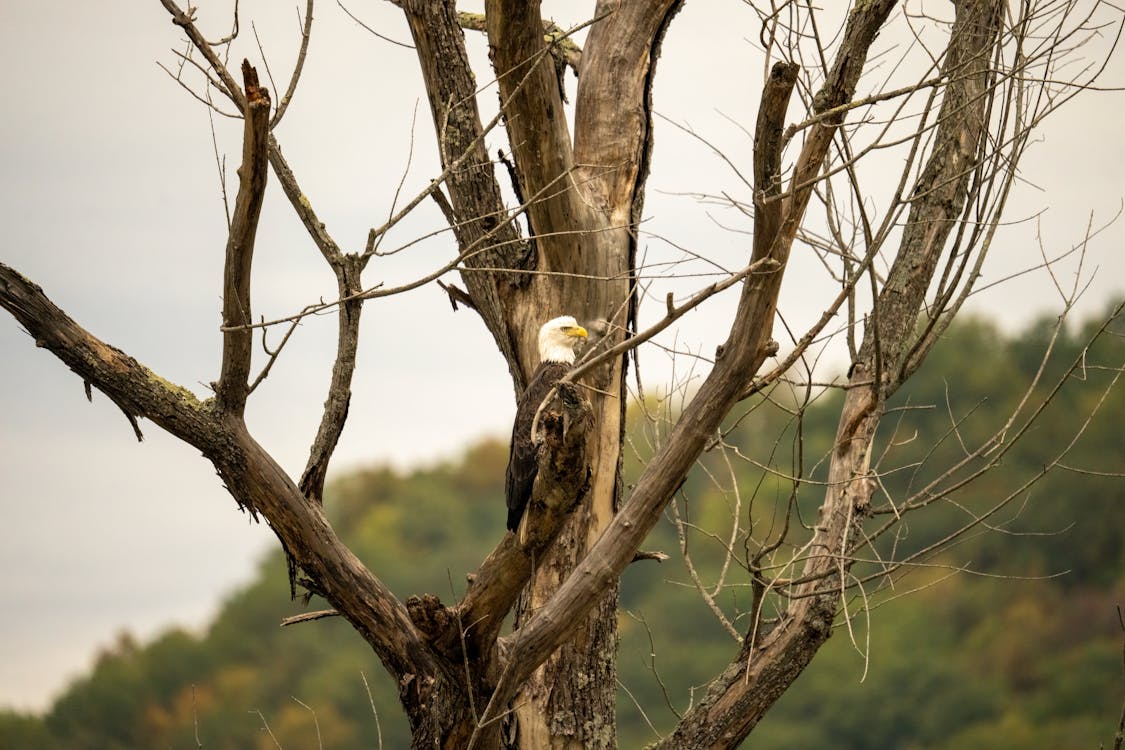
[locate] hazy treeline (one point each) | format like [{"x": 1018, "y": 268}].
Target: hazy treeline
[{"x": 1021, "y": 650}]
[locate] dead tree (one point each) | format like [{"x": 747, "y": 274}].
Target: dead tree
[{"x": 904, "y": 268}]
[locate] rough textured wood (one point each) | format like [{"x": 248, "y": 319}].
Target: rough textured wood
[
  {"x": 939, "y": 194},
  {"x": 613, "y": 108},
  {"x": 538, "y": 131},
  {"x": 258, "y": 484},
  {"x": 137, "y": 390},
  {"x": 251, "y": 475},
  {"x": 767, "y": 156}
]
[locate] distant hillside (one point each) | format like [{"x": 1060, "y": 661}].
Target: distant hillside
[{"x": 1028, "y": 659}]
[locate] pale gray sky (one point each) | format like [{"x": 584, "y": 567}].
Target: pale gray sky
[{"x": 109, "y": 198}]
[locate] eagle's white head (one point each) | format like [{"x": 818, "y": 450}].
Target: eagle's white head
[{"x": 557, "y": 339}]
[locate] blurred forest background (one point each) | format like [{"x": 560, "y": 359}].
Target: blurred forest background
[{"x": 1021, "y": 649}]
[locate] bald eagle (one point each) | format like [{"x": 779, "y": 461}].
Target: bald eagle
[{"x": 557, "y": 339}]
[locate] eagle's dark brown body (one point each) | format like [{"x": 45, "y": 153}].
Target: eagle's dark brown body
[{"x": 523, "y": 463}]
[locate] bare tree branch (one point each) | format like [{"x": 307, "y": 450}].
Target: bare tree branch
[
  {"x": 335, "y": 414},
  {"x": 306, "y": 34},
  {"x": 752, "y": 682},
  {"x": 138, "y": 391},
  {"x": 942, "y": 187},
  {"x": 253, "y": 478},
  {"x": 238, "y": 343}
]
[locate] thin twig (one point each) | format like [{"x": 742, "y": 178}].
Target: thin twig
[
  {"x": 306, "y": 34},
  {"x": 375, "y": 713}
]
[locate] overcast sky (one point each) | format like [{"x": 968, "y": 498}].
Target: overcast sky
[{"x": 109, "y": 199}]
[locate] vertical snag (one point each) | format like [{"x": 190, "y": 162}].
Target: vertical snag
[{"x": 233, "y": 383}]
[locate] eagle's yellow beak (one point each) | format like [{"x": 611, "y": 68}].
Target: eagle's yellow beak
[{"x": 578, "y": 331}]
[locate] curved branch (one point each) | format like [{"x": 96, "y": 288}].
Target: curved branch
[
  {"x": 769, "y": 662},
  {"x": 339, "y": 391},
  {"x": 333, "y": 570}
]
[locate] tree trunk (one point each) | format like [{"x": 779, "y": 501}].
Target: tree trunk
[{"x": 584, "y": 233}]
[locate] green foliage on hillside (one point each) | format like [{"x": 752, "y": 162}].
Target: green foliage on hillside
[{"x": 1031, "y": 658}]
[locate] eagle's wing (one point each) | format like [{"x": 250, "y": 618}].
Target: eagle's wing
[{"x": 523, "y": 459}]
